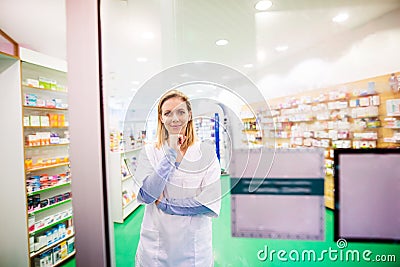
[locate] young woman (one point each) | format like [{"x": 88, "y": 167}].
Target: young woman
[{"x": 179, "y": 181}]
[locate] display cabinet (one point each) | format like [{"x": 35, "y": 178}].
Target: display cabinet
[
  {"x": 48, "y": 178},
  {"x": 13, "y": 232},
  {"x": 122, "y": 166}
]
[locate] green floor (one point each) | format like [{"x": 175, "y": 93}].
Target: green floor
[{"x": 242, "y": 252}]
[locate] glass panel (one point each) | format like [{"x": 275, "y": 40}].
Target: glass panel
[{"x": 280, "y": 76}]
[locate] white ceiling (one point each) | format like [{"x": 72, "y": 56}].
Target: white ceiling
[
  {"x": 39, "y": 25},
  {"x": 186, "y": 30}
]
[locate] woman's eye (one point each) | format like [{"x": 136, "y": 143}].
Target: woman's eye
[{"x": 181, "y": 112}]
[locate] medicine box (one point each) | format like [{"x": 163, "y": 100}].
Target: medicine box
[{"x": 34, "y": 120}]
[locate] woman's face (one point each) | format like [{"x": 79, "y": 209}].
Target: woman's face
[{"x": 175, "y": 115}]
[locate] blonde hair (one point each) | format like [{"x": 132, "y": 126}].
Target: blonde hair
[{"x": 162, "y": 133}]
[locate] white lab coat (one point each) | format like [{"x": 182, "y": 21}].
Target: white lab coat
[{"x": 173, "y": 240}]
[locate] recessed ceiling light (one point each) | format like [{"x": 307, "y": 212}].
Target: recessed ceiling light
[
  {"x": 281, "y": 48},
  {"x": 135, "y": 82},
  {"x": 263, "y": 5},
  {"x": 261, "y": 55},
  {"x": 221, "y": 42},
  {"x": 141, "y": 59},
  {"x": 148, "y": 35},
  {"x": 248, "y": 65},
  {"x": 199, "y": 91},
  {"x": 340, "y": 17}
]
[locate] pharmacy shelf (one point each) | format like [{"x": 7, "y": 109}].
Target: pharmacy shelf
[
  {"x": 46, "y": 150},
  {"x": 128, "y": 208},
  {"x": 44, "y": 89},
  {"x": 43, "y": 249},
  {"x": 49, "y": 189},
  {"x": 51, "y": 145},
  {"x": 118, "y": 185},
  {"x": 127, "y": 178},
  {"x": 44, "y": 108},
  {"x": 251, "y": 131},
  {"x": 367, "y": 116},
  {"x": 365, "y": 139},
  {"x": 66, "y": 258},
  {"x": 248, "y": 119},
  {"x": 44, "y": 127},
  {"x": 49, "y": 207},
  {"x": 361, "y": 96},
  {"x": 47, "y": 167},
  {"x": 49, "y": 226},
  {"x": 132, "y": 150}
]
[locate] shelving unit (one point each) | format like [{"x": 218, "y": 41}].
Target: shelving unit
[
  {"x": 47, "y": 173},
  {"x": 14, "y": 249},
  {"x": 122, "y": 166},
  {"x": 207, "y": 127},
  {"x": 348, "y": 117},
  {"x": 252, "y": 135}
]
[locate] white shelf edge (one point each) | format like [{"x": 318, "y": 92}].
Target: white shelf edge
[
  {"x": 43, "y": 249},
  {"x": 129, "y": 208},
  {"x": 127, "y": 178},
  {"x": 66, "y": 258}
]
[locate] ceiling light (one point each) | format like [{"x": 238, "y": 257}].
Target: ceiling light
[
  {"x": 248, "y": 65},
  {"x": 135, "y": 82},
  {"x": 221, "y": 42},
  {"x": 148, "y": 35},
  {"x": 261, "y": 55},
  {"x": 199, "y": 91},
  {"x": 263, "y": 5},
  {"x": 281, "y": 48},
  {"x": 141, "y": 59},
  {"x": 341, "y": 17}
]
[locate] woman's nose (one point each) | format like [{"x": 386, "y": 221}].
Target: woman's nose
[{"x": 174, "y": 117}]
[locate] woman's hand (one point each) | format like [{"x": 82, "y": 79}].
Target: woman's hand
[
  {"x": 159, "y": 199},
  {"x": 176, "y": 141}
]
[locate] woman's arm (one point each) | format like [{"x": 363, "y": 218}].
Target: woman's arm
[
  {"x": 183, "y": 207},
  {"x": 154, "y": 183},
  {"x": 208, "y": 200}
]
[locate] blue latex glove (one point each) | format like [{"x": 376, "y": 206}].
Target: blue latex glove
[
  {"x": 183, "y": 207},
  {"x": 154, "y": 184}
]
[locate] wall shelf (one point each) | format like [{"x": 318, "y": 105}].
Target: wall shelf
[
  {"x": 44, "y": 89},
  {"x": 126, "y": 178},
  {"x": 49, "y": 207},
  {"x": 43, "y": 249},
  {"x": 51, "y": 145},
  {"x": 40, "y": 125},
  {"x": 44, "y": 127},
  {"x": 47, "y": 167},
  {"x": 49, "y": 226},
  {"x": 128, "y": 208},
  {"x": 45, "y": 108},
  {"x": 66, "y": 258},
  {"x": 49, "y": 189},
  {"x": 118, "y": 162}
]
